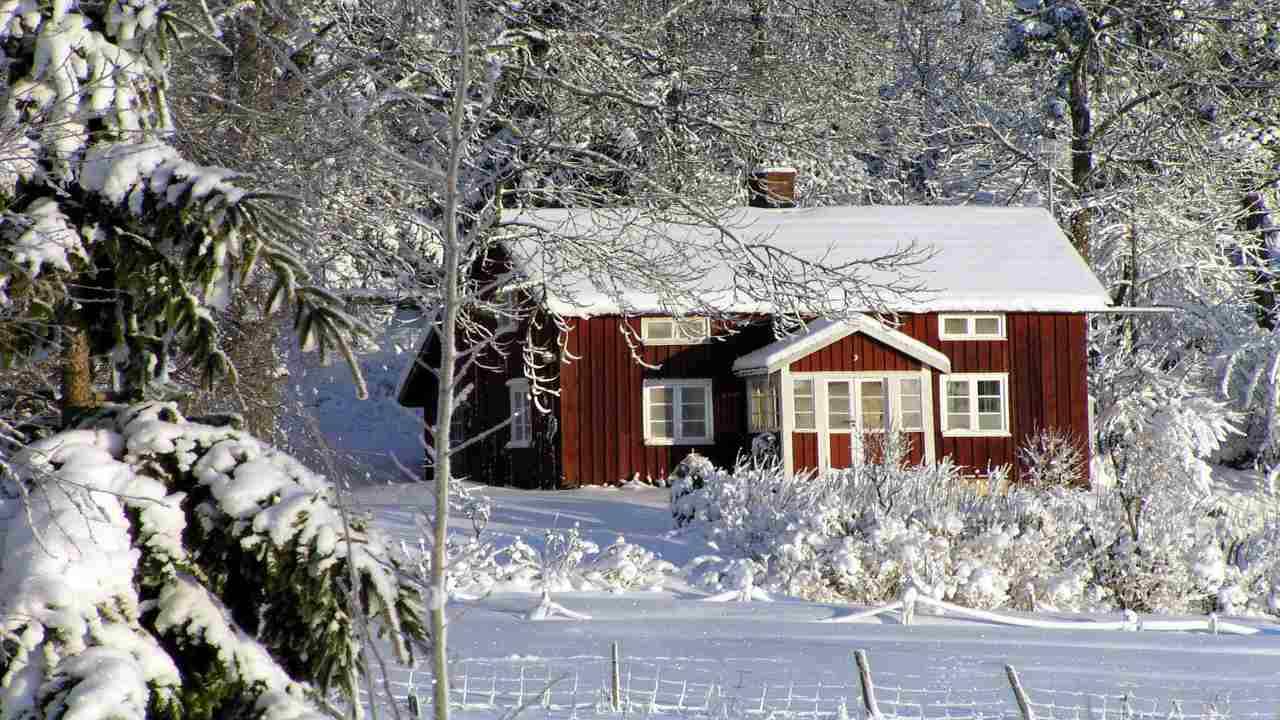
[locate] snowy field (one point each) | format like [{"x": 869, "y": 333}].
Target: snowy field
[{"x": 684, "y": 656}]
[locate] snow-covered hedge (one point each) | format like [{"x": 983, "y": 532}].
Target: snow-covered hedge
[
  {"x": 155, "y": 567},
  {"x": 866, "y": 534}
]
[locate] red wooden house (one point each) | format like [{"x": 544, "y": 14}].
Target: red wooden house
[{"x": 994, "y": 351}]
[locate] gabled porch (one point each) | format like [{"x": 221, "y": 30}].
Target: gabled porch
[{"x": 833, "y": 390}]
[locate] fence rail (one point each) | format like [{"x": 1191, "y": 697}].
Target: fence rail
[{"x": 587, "y": 687}]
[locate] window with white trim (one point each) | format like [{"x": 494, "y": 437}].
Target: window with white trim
[
  {"x": 802, "y": 402},
  {"x": 910, "y": 405},
  {"x": 972, "y": 326},
  {"x": 678, "y": 412},
  {"x": 521, "y": 414},
  {"x": 762, "y": 404},
  {"x": 975, "y": 404},
  {"x": 675, "y": 331}
]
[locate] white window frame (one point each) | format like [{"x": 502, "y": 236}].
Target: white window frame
[
  {"x": 895, "y": 397},
  {"x": 648, "y": 323},
  {"x": 812, "y": 395},
  {"x": 772, "y": 420},
  {"x": 521, "y": 405},
  {"x": 971, "y": 325},
  {"x": 972, "y": 379},
  {"x": 676, "y": 409}
]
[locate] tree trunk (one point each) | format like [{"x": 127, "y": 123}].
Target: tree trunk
[
  {"x": 1081, "y": 153},
  {"x": 451, "y": 256},
  {"x": 78, "y": 396}
]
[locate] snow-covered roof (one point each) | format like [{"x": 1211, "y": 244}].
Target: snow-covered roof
[
  {"x": 985, "y": 258},
  {"x": 821, "y": 333}
]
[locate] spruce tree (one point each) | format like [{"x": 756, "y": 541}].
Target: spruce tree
[{"x": 110, "y": 240}]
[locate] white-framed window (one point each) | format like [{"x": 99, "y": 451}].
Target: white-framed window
[
  {"x": 762, "y": 404},
  {"x": 521, "y": 414},
  {"x": 910, "y": 405},
  {"x": 971, "y": 326},
  {"x": 678, "y": 412},
  {"x": 803, "y": 405},
  {"x": 675, "y": 331},
  {"x": 975, "y": 404}
]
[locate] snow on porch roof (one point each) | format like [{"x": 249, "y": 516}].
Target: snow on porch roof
[
  {"x": 996, "y": 259},
  {"x": 821, "y": 333}
]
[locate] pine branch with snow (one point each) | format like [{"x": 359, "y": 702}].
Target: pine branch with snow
[
  {"x": 104, "y": 226},
  {"x": 162, "y": 568}
]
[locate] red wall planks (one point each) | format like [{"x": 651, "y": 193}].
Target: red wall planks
[{"x": 600, "y": 438}]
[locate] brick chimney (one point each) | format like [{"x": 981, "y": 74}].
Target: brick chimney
[{"x": 772, "y": 187}]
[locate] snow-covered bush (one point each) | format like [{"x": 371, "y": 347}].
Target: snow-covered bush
[
  {"x": 563, "y": 561},
  {"x": 867, "y": 533},
  {"x": 155, "y": 566},
  {"x": 1051, "y": 458}
]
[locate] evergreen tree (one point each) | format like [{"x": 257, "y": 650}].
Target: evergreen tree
[
  {"x": 161, "y": 568},
  {"x": 109, "y": 239}
]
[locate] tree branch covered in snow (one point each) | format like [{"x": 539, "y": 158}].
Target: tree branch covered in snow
[
  {"x": 159, "y": 567},
  {"x": 105, "y": 228}
]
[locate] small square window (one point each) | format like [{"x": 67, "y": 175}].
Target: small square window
[
  {"x": 976, "y": 404},
  {"x": 677, "y": 412}
]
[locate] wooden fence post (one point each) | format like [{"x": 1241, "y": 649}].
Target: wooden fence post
[
  {"x": 1024, "y": 702},
  {"x": 868, "y": 690},
  {"x": 615, "y": 678}
]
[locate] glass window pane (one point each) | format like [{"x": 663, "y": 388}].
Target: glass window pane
[
  {"x": 986, "y": 326},
  {"x": 912, "y": 421},
  {"x": 909, "y": 386},
  {"x": 693, "y": 412},
  {"x": 804, "y": 404},
  {"x": 693, "y": 429},
  {"x": 660, "y": 412},
  {"x": 657, "y": 329},
  {"x": 838, "y": 390},
  {"x": 988, "y": 405},
  {"x": 989, "y": 387},
  {"x": 958, "y": 422},
  {"x": 661, "y": 395},
  {"x": 990, "y": 422},
  {"x": 662, "y": 429},
  {"x": 958, "y": 404},
  {"x": 956, "y": 326},
  {"x": 693, "y": 395},
  {"x": 910, "y": 403},
  {"x": 691, "y": 328}
]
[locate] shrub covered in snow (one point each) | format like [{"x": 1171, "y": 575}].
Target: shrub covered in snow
[
  {"x": 158, "y": 567},
  {"x": 561, "y": 561},
  {"x": 867, "y": 533}
]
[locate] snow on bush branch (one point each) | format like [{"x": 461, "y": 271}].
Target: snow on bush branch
[
  {"x": 156, "y": 567},
  {"x": 868, "y": 533}
]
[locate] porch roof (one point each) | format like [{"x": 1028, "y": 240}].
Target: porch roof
[{"x": 821, "y": 333}]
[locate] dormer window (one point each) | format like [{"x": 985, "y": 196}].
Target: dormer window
[
  {"x": 971, "y": 326},
  {"x": 675, "y": 331}
]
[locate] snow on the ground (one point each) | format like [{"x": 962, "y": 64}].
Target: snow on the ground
[{"x": 743, "y": 649}]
